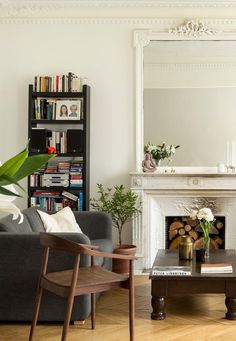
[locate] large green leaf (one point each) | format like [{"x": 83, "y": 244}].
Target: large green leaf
[
  {"x": 32, "y": 164},
  {"x": 11, "y": 166},
  {"x": 7, "y": 192},
  {"x": 8, "y": 180}
]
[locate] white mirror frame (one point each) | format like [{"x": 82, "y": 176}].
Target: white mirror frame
[{"x": 189, "y": 30}]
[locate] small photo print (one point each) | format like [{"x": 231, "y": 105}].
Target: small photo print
[{"x": 68, "y": 110}]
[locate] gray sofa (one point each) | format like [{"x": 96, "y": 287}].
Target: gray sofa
[{"x": 20, "y": 260}]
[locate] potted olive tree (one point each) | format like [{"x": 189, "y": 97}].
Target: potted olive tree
[{"x": 122, "y": 205}]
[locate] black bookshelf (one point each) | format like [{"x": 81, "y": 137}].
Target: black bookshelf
[{"x": 83, "y": 123}]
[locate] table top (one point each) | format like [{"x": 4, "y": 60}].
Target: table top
[{"x": 171, "y": 258}]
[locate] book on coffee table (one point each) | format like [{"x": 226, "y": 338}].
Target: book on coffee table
[
  {"x": 216, "y": 268},
  {"x": 171, "y": 271}
]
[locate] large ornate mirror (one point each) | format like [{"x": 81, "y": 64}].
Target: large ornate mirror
[{"x": 186, "y": 93}]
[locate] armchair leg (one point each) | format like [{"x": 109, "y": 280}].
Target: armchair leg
[
  {"x": 69, "y": 307},
  {"x": 93, "y": 308},
  {"x": 36, "y": 312}
]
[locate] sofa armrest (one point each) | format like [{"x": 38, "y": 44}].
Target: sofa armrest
[{"x": 96, "y": 225}]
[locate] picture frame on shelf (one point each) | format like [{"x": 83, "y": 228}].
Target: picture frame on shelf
[{"x": 68, "y": 110}]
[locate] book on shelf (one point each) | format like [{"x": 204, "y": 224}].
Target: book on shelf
[
  {"x": 54, "y": 201},
  {"x": 59, "y": 83},
  {"x": 171, "y": 271},
  {"x": 70, "y": 195},
  {"x": 216, "y": 268},
  {"x": 51, "y": 109}
]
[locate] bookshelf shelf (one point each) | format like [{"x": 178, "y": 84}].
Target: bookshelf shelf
[
  {"x": 63, "y": 154},
  {"x": 69, "y": 122},
  {"x": 66, "y": 95},
  {"x": 74, "y": 138},
  {"x": 57, "y": 188}
]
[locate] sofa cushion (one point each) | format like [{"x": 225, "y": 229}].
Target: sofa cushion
[
  {"x": 62, "y": 221},
  {"x": 7, "y": 224},
  {"x": 34, "y": 219}
]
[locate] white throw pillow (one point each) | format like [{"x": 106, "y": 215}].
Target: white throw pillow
[{"x": 62, "y": 221}]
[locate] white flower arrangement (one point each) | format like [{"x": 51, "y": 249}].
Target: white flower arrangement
[
  {"x": 161, "y": 151},
  {"x": 203, "y": 214},
  {"x": 206, "y": 219}
]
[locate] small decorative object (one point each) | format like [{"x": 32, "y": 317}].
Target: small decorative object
[
  {"x": 148, "y": 164},
  {"x": 51, "y": 150},
  {"x": 221, "y": 168},
  {"x": 68, "y": 110},
  {"x": 12, "y": 171},
  {"x": 200, "y": 255},
  {"x": 206, "y": 219},
  {"x": 186, "y": 248},
  {"x": 160, "y": 152},
  {"x": 122, "y": 205}
]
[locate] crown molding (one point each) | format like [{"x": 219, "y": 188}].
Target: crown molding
[
  {"x": 82, "y": 8},
  {"x": 157, "y": 24},
  {"x": 60, "y": 4}
]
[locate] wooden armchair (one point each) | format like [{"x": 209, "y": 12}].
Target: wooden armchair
[{"x": 80, "y": 281}]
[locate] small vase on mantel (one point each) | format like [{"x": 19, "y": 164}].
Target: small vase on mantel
[{"x": 158, "y": 162}]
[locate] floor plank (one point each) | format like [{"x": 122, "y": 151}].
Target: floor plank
[{"x": 194, "y": 318}]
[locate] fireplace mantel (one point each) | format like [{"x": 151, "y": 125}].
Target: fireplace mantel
[
  {"x": 176, "y": 191},
  {"x": 186, "y": 178}
]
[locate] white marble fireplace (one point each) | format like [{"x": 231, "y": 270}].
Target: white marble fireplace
[{"x": 175, "y": 194}]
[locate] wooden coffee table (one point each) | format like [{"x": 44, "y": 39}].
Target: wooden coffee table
[{"x": 166, "y": 286}]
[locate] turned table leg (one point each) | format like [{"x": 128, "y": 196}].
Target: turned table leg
[
  {"x": 158, "y": 306},
  {"x": 230, "y": 303}
]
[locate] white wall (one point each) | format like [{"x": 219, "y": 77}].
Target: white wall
[{"x": 104, "y": 54}]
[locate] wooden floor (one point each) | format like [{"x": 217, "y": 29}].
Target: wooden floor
[{"x": 199, "y": 318}]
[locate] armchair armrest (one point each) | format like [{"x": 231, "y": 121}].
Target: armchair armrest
[{"x": 108, "y": 255}]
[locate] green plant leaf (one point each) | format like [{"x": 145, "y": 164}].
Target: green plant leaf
[
  {"x": 32, "y": 164},
  {"x": 11, "y": 166},
  {"x": 7, "y": 192},
  {"x": 7, "y": 180}
]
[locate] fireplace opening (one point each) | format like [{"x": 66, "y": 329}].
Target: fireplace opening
[{"x": 183, "y": 225}]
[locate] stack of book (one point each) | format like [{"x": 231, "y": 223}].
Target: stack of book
[
  {"x": 73, "y": 168},
  {"x": 76, "y": 176},
  {"x": 216, "y": 269},
  {"x": 75, "y": 198},
  {"x": 58, "y": 83},
  {"x": 51, "y": 168},
  {"x": 171, "y": 271},
  {"x": 63, "y": 167}
]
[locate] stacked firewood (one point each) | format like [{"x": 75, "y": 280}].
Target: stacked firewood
[{"x": 187, "y": 226}]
